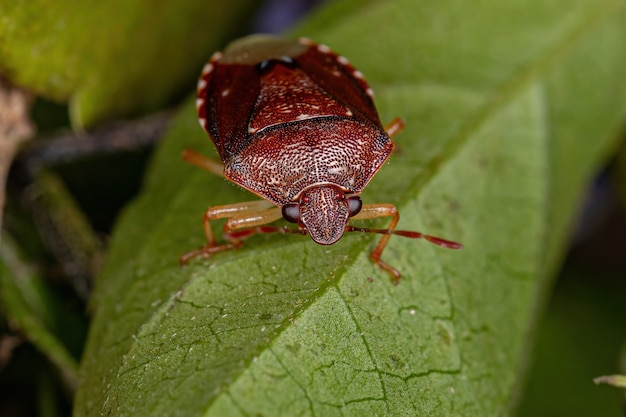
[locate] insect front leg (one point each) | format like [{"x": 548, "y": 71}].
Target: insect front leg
[
  {"x": 240, "y": 215},
  {"x": 394, "y": 127},
  {"x": 203, "y": 162},
  {"x": 372, "y": 211}
]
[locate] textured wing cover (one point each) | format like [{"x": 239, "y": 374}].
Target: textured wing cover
[
  {"x": 280, "y": 162},
  {"x": 304, "y": 117}
]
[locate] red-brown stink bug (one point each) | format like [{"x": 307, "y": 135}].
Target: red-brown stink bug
[{"x": 296, "y": 124}]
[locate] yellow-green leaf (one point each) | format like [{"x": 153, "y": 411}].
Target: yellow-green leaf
[{"x": 111, "y": 58}]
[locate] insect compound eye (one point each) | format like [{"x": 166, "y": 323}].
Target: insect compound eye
[
  {"x": 354, "y": 205},
  {"x": 291, "y": 212}
]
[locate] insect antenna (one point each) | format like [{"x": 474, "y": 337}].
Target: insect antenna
[{"x": 410, "y": 234}]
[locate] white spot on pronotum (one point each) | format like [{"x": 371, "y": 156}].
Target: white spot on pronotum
[
  {"x": 348, "y": 113},
  {"x": 208, "y": 67},
  {"x": 305, "y": 41},
  {"x": 358, "y": 74},
  {"x": 323, "y": 49},
  {"x": 370, "y": 92},
  {"x": 202, "y": 121},
  {"x": 199, "y": 103},
  {"x": 343, "y": 60},
  {"x": 225, "y": 92},
  {"x": 216, "y": 56},
  {"x": 201, "y": 84}
]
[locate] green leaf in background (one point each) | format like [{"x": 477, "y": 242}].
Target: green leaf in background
[
  {"x": 111, "y": 58},
  {"x": 579, "y": 339},
  {"x": 34, "y": 310},
  {"x": 510, "y": 106}
]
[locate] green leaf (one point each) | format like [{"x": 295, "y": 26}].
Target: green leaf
[
  {"x": 580, "y": 339},
  {"x": 113, "y": 58},
  {"x": 615, "y": 380},
  {"x": 510, "y": 107},
  {"x": 33, "y": 310}
]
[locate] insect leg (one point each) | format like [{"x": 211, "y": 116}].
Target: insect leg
[
  {"x": 394, "y": 127},
  {"x": 239, "y": 227},
  {"x": 372, "y": 211},
  {"x": 203, "y": 162},
  {"x": 245, "y": 210}
]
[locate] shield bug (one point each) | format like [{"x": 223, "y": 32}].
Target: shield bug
[{"x": 296, "y": 124}]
